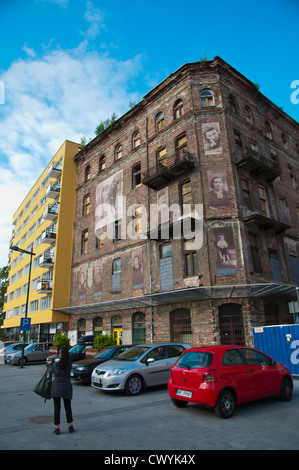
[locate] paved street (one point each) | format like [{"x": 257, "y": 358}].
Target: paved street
[{"x": 108, "y": 421}]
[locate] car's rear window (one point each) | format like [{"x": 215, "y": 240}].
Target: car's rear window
[{"x": 195, "y": 360}]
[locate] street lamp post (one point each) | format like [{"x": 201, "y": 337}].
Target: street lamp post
[{"x": 16, "y": 248}]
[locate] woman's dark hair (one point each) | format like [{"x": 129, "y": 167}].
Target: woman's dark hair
[{"x": 64, "y": 358}]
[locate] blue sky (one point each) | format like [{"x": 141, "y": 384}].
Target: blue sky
[{"x": 67, "y": 64}]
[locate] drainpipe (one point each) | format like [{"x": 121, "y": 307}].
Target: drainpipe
[{"x": 150, "y": 243}]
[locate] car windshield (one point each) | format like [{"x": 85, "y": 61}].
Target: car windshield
[
  {"x": 76, "y": 349},
  {"x": 132, "y": 354},
  {"x": 105, "y": 353},
  {"x": 195, "y": 360},
  {"x": 30, "y": 347}
]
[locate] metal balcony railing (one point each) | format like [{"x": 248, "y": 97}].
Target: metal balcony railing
[{"x": 172, "y": 167}]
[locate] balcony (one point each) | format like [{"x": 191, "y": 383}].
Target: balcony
[
  {"x": 265, "y": 223},
  {"x": 44, "y": 286},
  {"x": 47, "y": 259},
  {"x": 55, "y": 169},
  {"x": 48, "y": 236},
  {"x": 177, "y": 165},
  {"x": 51, "y": 212},
  {"x": 257, "y": 164},
  {"x": 53, "y": 190}
]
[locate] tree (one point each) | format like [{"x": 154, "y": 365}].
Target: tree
[{"x": 104, "y": 125}]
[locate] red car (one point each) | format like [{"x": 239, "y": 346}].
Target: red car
[{"x": 224, "y": 376}]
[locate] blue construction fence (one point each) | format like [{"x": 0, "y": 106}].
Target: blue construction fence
[{"x": 280, "y": 342}]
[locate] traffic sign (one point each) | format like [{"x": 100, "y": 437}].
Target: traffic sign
[{"x": 25, "y": 324}]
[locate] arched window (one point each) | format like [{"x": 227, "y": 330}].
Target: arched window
[
  {"x": 160, "y": 121},
  {"x": 180, "y": 326},
  {"x": 102, "y": 163},
  {"x": 87, "y": 174},
  {"x": 268, "y": 128},
  {"x": 97, "y": 326},
  {"x": 136, "y": 139},
  {"x": 233, "y": 103},
  {"x": 138, "y": 328},
  {"x": 207, "y": 99},
  {"x": 248, "y": 114},
  {"x": 178, "y": 109},
  {"x": 231, "y": 324},
  {"x": 271, "y": 314},
  {"x": 118, "y": 152},
  {"x": 81, "y": 327}
]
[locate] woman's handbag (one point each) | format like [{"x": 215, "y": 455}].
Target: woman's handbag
[{"x": 43, "y": 388}]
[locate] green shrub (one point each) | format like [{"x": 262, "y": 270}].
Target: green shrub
[
  {"x": 61, "y": 341},
  {"x": 101, "y": 341}
]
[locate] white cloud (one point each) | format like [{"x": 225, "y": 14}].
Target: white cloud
[{"x": 62, "y": 95}]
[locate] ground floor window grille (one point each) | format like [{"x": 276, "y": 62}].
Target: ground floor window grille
[
  {"x": 231, "y": 324},
  {"x": 180, "y": 326}
]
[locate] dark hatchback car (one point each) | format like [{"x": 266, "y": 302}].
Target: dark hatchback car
[
  {"x": 82, "y": 370},
  {"x": 76, "y": 353}
]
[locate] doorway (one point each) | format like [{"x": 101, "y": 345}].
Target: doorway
[
  {"x": 117, "y": 330},
  {"x": 231, "y": 324}
]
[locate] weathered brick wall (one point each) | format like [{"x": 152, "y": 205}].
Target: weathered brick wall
[{"x": 186, "y": 84}]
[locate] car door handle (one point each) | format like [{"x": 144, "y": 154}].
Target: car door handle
[{"x": 251, "y": 370}]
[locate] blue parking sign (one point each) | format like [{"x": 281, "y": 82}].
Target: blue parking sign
[{"x": 25, "y": 324}]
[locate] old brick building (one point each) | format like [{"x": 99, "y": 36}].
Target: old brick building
[{"x": 208, "y": 141}]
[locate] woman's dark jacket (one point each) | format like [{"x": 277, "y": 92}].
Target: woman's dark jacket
[{"x": 61, "y": 380}]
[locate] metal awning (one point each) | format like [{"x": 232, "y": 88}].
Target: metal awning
[{"x": 189, "y": 294}]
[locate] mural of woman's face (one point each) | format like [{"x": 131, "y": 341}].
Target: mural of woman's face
[{"x": 217, "y": 184}]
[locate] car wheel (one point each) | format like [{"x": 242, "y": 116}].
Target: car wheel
[
  {"x": 134, "y": 385},
  {"x": 226, "y": 404},
  {"x": 286, "y": 389},
  {"x": 179, "y": 403}
]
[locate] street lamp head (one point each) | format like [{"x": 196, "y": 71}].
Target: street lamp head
[{"x": 16, "y": 248}]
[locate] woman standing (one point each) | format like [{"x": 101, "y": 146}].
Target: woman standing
[{"x": 62, "y": 388}]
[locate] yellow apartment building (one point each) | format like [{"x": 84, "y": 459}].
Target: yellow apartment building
[{"x": 43, "y": 224}]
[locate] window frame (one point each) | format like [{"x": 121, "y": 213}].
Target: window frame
[
  {"x": 160, "y": 121},
  {"x": 84, "y": 242},
  {"x": 86, "y": 204},
  {"x": 205, "y": 96},
  {"x": 118, "y": 152},
  {"x": 136, "y": 175},
  {"x": 178, "y": 108},
  {"x": 136, "y": 141}
]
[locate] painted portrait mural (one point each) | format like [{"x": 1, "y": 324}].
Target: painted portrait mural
[
  {"x": 211, "y": 138},
  {"x": 82, "y": 282},
  {"x": 109, "y": 202},
  {"x": 225, "y": 250},
  {"x": 137, "y": 269},
  {"x": 98, "y": 279},
  {"x": 218, "y": 191}
]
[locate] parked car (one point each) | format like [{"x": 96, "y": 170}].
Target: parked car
[
  {"x": 76, "y": 353},
  {"x": 89, "y": 339},
  {"x": 82, "y": 370},
  {"x": 34, "y": 352},
  {"x": 222, "y": 377},
  {"x": 11, "y": 348},
  {"x": 141, "y": 366}
]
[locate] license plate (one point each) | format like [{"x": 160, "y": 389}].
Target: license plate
[
  {"x": 184, "y": 393},
  {"x": 97, "y": 380}
]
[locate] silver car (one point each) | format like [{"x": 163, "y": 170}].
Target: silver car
[
  {"x": 11, "y": 349},
  {"x": 34, "y": 352},
  {"x": 142, "y": 366}
]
